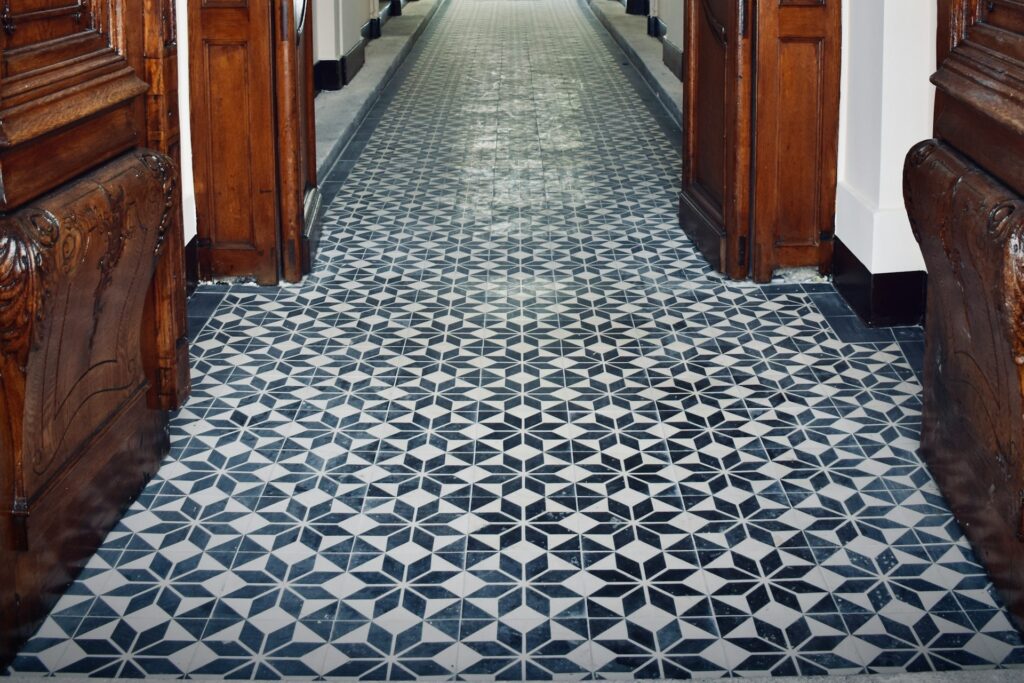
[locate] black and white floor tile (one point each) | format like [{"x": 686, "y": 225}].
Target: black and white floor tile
[{"x": 512, "y": 427}]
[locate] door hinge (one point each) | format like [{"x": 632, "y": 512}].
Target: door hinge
[
  {"x": 204, "y": 242},
  {"x": 827, "y": 236},
  {"x": 742, "y": 249},
  {"x": 742, "y": 18}
]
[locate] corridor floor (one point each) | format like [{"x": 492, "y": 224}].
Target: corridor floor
[{"x": 514, "y": 428}]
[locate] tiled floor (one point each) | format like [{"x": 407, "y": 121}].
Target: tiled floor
[{"x": 513, "y": 428}]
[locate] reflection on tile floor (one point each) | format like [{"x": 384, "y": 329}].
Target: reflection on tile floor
[{"x": 513, "y": 428}]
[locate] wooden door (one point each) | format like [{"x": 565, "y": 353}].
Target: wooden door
[
  {"x": 234, "y": 145},
  {"x": 965, "y": 197},
  {"x": 296, "y": 135},
  {"x": 796, "y": 134},
  {"x": 715, "y": 202}
]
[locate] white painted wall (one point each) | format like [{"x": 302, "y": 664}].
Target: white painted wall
[
  {"x": 354, "y": 15},
  {"x": 887, "y": 104},
  {"x": 671, "y": 14},
  {"x": 326, "y": 30},
  {"x": 338, "y": 26},
  {"x": 188, "y": 186}
]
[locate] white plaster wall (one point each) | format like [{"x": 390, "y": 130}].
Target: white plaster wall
[
  {"x": 887, "y": 104},
  {"x": 188, "y": 186},
  {"x": 671, "y": 13},
  {"x": 326, "y": 30},
  {"x": 338, "y": 26},
  {"x": 354, "y": 15}
]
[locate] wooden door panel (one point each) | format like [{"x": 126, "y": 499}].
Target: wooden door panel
[
  {"x": 711, "y": 106},
  {"x": 796, "y": 133},
  {"x": 233, "y": 138},
  {"x": 715, "y": 200}
]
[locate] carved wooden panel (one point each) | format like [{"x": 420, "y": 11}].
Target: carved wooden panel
[
  {"x": 980, "y": 99},
  {"x": 970, "y": 228},
  {"x": 233, "y": 99},
  {"x": 715, "y": 204},
  {"x": 71, "y": 77},
  {"x": 799, "y": 60},
  {"x": 964, "y": 196},
  {"x": 78, "y": 437}
]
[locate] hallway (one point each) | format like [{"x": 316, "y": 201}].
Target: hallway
[{"x": 513, "y": 427}]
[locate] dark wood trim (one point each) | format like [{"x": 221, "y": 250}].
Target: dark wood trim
[
  {"x": 672, "y": 55},
  {"x": 880, "y": 299}
]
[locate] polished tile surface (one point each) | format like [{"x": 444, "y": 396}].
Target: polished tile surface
[{"x": 513, "y": 428}]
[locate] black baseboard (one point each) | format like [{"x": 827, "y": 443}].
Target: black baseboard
[
  {"x": 672, "y": 55},
  {"x": 334, "y": 74},
  {"x": 328, "y": 75},
  {"x": 372, "y": 29},
  {"x": 880, "y": 299},
  {"x": 640, "y": 7},
  {"x": 655, "y": 29},
  {"x": 353, "y": 61},
  {"x": 191, "y": 266},
  {"x": 396, "y": 8}
]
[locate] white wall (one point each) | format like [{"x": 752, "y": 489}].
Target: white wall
[
  {"x": 887, "y": 104},
  {"x": 354, "y": 15},
  {"x": 188, "y": 187},
  {"x": 326, "y": 30},
  {"x": 671, "y": 14}
]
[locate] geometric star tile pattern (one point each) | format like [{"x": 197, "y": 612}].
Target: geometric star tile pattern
[{"x": 513, "y": 427}]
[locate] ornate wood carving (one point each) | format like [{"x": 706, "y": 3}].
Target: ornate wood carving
[
  {"x": 971, "y": 230},
  {"x": 92, "y": 346},
  {"x": 70, "y": 81},
  {"x": 78, "y": 436},
  {"x": 963, "y": 193}
]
